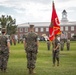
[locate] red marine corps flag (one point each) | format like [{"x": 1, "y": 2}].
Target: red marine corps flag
[{"x": 54, "y": 28}]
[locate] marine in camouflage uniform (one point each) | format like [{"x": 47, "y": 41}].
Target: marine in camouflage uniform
[
  {"x": 62, "y": 44},
  {"x": 31, "y": 48},
  {"x": 55, "y": 52},
  {"x": 4, "y": 51},
  {"x": 68, "y": 44},
  {"x": 48, "y": 44}
]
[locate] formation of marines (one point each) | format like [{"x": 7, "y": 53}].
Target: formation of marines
[{"x": 30, "y": 41}]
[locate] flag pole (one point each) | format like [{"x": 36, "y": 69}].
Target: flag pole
[{"x": 54, "y": 28}]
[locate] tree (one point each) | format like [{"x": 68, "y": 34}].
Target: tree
[{"x": 9, "y": 23}]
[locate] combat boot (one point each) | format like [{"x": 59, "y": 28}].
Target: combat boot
[
  {"x": 1, "y": 70},
  {"x": 33, "y": 71},
  {"x": 4, "y": 70},
  {"x": 30, "y": 71},
  {"x": 53, "y": 64}
]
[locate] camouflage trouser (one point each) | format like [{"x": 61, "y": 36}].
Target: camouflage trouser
[
  {"x": 31, "y": 59},
  {"x": 48, "y": 46},
  {"x": 62, "y": 46},
  {"x": 3, "y": 59},
  {"x": 55, "y": 56},
  {"x": 68, "y": 46}
]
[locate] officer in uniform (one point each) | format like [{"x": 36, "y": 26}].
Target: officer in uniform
[
  {"x": 56, "y": 45},
  {"x": 4, "y": 50},
  {"x": 31, "y": 48}
]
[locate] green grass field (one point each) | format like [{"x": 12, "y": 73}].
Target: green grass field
[{"x": 17, "y": 61}]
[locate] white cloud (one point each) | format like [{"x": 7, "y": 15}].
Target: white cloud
[
  {"x": 19, "y": 11},
  {"x": 2, "y": 1},
  {"x": 37, "y": 10}
]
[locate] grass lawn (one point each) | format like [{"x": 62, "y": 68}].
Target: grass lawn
[{"x": 17, "y": 61}]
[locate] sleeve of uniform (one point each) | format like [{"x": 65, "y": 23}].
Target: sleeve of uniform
[
  {"x": 37, "y": 39},
  {"x": 8, "y": 40},
  {"x": 37, "y": 43},
  {"x": 8, "y": 43}
]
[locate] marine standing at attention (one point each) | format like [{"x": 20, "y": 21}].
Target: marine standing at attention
[
  {"x": 31, "y": 48},
  {"x": 4, "y": 50},
  {"x": 56, "y": 45}
]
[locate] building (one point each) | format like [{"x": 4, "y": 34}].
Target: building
[
  {"x": 69, "y": 28},
  {"x": 42, "y": 28}
]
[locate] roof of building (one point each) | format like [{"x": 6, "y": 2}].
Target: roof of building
[
  {"x": 64, "y": 11},
  {"x": 45, "y": 24},
  {"x": 36, "y": 24},
  {"x": 73, "y": 23}
]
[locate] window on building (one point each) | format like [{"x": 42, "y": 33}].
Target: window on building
[
  {"x": 21, "y": 29},
  {"x": 66, "y": 28},
  {"x": 72, "y": 35},
  {"x": 72, "y": 28},
  {"x": 36, "y": 29},
  {"x": 47, "y": 29},
  {"x": 26, "y": 29},
  {"x": 41, "y": 29},
  {"x": 62, "y": 29}
]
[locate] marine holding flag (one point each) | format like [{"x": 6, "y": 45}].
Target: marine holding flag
[{"x": 54, "y": 31}]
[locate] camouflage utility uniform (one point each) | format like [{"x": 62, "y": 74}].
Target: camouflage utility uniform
[
  {"x": 4, "y": 52},
  {"x": 48, "y": 44},
  {"x": 68, "y": 44},
  {"x": 62, "y": 44},
  {"x": 31, "y": 49},
  {"x": 56, "y": 52}
]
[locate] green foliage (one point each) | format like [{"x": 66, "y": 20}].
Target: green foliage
[
  {"x": 9, "y": 23},
  {"x": 17, "y": 61}
]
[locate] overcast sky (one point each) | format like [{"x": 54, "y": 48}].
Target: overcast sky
[{"x": 36, "y": 10}]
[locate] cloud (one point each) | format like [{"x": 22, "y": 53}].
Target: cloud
[
  {"x": 1, "y": 13},
  {"x": 36, "y": 10}
]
